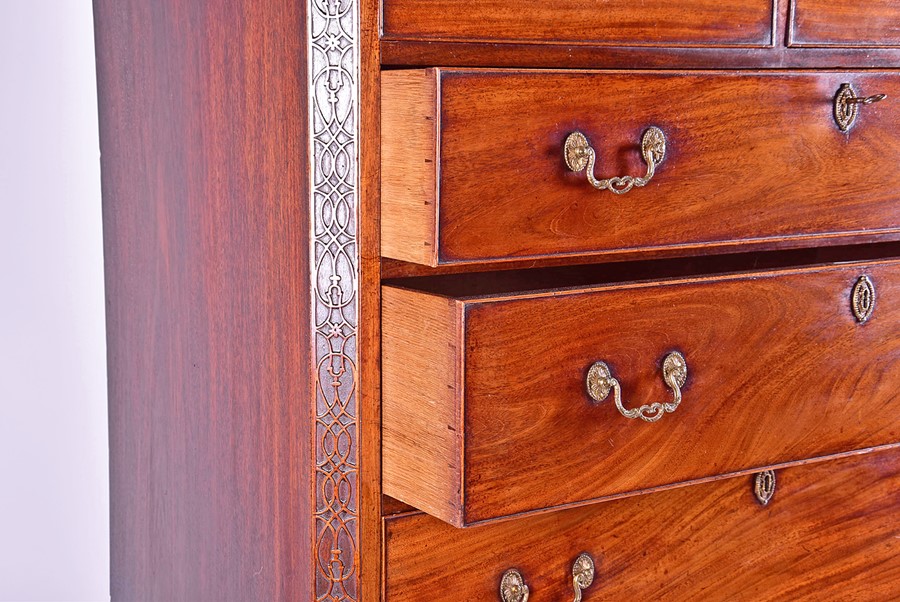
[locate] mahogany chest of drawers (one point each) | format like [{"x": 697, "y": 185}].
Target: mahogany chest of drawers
[{"x": 502, "y": 300}]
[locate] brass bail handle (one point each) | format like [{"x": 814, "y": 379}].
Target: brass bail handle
[
  {"x": 580, "y": 155},
  {"x": 600, "y": 382},
  {"x": 514, "y": 589},
  {"x": 847, "y": 104}
]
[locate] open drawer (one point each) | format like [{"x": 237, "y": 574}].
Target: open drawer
[{"x": 498, "y": 405}]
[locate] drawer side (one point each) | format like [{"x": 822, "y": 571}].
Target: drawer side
[
  {"x": 422, "y": 402},
  {"x": 410, "y": 139}
]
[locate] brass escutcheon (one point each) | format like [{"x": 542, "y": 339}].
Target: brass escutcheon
[
  {"x": 847, "y": 103},
  {"x": 862, "y": 299},
  {"x": 764, "y": 486},
  {"x": 580, "y": 155},
  {"x": 600, "y": 382}
]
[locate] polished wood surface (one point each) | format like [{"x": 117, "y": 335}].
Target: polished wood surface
[
  {"x": 369, "y": 369},
  {"x": 205, "y": 225},
  {"x": 615, "y": 22},
  {"x": 831, "y": 532},
  {"x": 414, "y": 53},
  {"x": 751, "y": 157},
  {"x": 779, "y": 371},
  {"x": 873, "y": 23}
]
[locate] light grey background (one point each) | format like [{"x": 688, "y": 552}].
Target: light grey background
[{"x": 54, "y": 509}]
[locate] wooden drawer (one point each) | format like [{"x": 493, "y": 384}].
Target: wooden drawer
[
  {"x": 874, "y": 23},
  {"x": 615, "y": 23},
  {"x": 831, "y": 531},
  {"x": 486, "y": 412},
  {"x": 473, "y": 169}
]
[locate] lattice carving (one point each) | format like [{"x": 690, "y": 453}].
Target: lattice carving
[{"x": 334, "y": 128}]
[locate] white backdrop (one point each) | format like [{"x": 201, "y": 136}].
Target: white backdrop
[{"x": 54, "y": 509}]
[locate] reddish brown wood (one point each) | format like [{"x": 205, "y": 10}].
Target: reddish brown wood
[
  {"x": 411, "y": 53},
  {"x": 874, "y": 23},
  {"x": 714, "y": 258},
  {"x": 779, "y": 371},
  {"x": 391, "y": 506},
  {"x": 831, "y": 532},
  {"x": 206, "y": 225},
  {"x": 616, "y": 22},
  {"x": 369, "y": 381},
  {"x": 752, "y": 157}
]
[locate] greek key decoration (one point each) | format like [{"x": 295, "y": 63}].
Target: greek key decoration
[{"x": 334, "y": 177}]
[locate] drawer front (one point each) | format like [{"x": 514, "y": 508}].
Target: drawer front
[
  {"x": 486, "y": 410},
  {"x": 848, "y": 23},
  {"x": 831, "y": 531},
  {"x": 615, "y": 23},
  {"x": 473, "y": 166}
]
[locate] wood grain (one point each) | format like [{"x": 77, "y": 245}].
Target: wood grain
[
  {"x": 369, "y": 380},
  {"x": 413, "y": 53},
  {"x": 716, "y": 257},
  {"x": 874, "y": 23},
  {"x": 831, "y": 532},
  {"x": 422, "y": 410},
  {"x": 779, "y": 371},
  {"x": 616, "y": 22},
  {"x": 206, "y": 245},
  {"x": 409, "y": 168},
  {"x": 752, "y": 158}
]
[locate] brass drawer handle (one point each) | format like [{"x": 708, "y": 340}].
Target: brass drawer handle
[
  {"x": 600, "y": 381},
  {"x": 514, "y": 589},
  {"x": 847, "y": 103},
  {"x": 582, "y": 574},
  {"x": 579, "y": 154}
]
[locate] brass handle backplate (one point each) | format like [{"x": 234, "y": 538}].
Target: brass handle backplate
[
  {"x": 600, "y": 382},
  {"x": 582, "y": 574},
  {"x": 847, "y": 103},
  {"x": 579, "y": 154},
  {"x": 514, "y": 589}
]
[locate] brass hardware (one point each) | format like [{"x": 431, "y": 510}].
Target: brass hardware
[
  {"x": 862, "y": 299},
  {"x": 764, "y": 486},
  {"x": 600, "y": 381},
  {"x": 847, "y": 103},
  {"x": 582, "y": 574},
  {"x": 512, "y": 587},
  {"x": 579, "y": 154}
]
